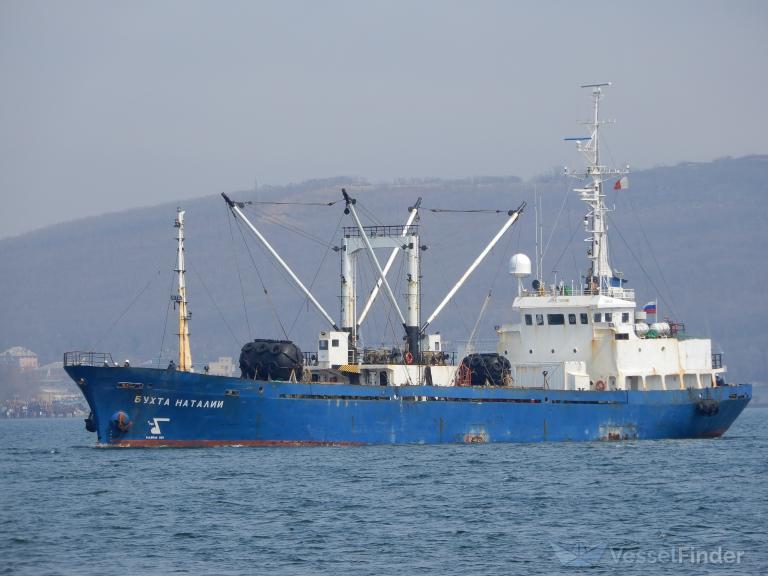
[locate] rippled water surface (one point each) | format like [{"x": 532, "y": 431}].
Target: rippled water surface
[{"x": 599, "y": 508}]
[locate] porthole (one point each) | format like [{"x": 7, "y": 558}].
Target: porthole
[
  {"x": 575, "y": 350},
  {"x": 553, "y": 350},
  {"x": 530, "y": 351}
]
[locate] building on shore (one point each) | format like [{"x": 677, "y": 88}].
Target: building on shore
[
  {"x": 224, "y": 366},
  {"x": 19, "y": 357}
]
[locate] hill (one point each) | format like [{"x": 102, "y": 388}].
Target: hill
[{"x": 692, "y": 235}]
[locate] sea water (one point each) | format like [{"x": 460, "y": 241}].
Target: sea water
[{"x": 677, "y": 506}]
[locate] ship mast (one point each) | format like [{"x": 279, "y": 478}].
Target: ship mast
[
  {"x": 180, "y": 298},
  {"x": 600, "y": 277}
]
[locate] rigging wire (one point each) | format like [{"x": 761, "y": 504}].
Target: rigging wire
[
  {"x": 368, "y": 214},
  {"x": 503, "y": 259},
  {"x": 570, "y": 249},
  {"x": 489, "y": 296},
  {"x": 125, "y": 310},
  {"x": 652, "y": 252},
  {"x": 557, "y": 219},
  {"x": 252, "y": 202},
  {"x": 372, "y": 319},
  {"x": 648, "y": 276},
  {"x": 279, "y": 269},
  {"x": 469, "y": 211},
  {"x": 633, "y": 209},
  {"x": 317, "y": 271},
  {"x": 470, "y": 343},
  {"x": 389, "y": 323},
  {"x": 400, "y": 276},
  {"x": 261, "y": 281},
  {"x": 165, "y": 324},
  {"x": 362, "y": 280},
  {"x": 567, "y": 246},
  {"x": 453, "y": 302},
  {"x": 642, "y": 229},
  {"x": 239, "y": 275},
  {"x": 273, "y": 219},
  {"x": 221, "y": 315}
]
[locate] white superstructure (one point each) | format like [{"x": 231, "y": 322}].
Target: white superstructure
[
  {"x": 589, "y": 336},
  {"x": 586, "y": 335}
]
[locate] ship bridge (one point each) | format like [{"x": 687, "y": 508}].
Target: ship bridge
[{"x": 596, "y": 341}]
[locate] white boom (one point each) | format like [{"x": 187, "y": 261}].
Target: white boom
[
  {"x": 235, "y": 208},
  {"x": 513, "y": 216}
]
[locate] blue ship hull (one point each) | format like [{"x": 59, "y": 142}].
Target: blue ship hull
[{"x": 151, "y": 407}]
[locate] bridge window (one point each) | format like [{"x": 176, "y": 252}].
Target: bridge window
[
  {"x": 528, "y": 320},
  {"x": 571, "y": 318},
  {"x": 539, "y": 319},
  {"x": 335, "y": 343},
  {"x": 609, "y": 316},
  {"x": 584, "y": 318},
  {"x": 323, "y": 344},
  {"x": 555, "y": 319},
  {"x": 625, "y": 317},
  {"x": 598, "y": 317}
]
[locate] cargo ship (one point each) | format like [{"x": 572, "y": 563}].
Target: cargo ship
[{"x": 583, "y": 363}]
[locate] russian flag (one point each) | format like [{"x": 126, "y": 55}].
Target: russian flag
[
  {"x": 650, "y": 308},
  {"x": 621, "y": 184}
]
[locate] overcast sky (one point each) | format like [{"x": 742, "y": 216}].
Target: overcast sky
[{"x": 112, "y": 105}]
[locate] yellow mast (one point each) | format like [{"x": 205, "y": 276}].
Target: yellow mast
[{"x": 185, "y": 356}]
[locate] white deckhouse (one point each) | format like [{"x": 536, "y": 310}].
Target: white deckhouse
[{"x": 591, "y": 337}]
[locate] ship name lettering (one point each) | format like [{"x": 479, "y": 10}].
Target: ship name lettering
[
  {"x": 156, "y": 400},
  {"x": 193, "y": 403},
  {"x": 179, "y": 402}
]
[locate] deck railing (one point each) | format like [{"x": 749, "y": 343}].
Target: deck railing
[
  {"x": 386, "y": 231},
  {"x": 568, "y": 290},
  {"x": 388, "y": 356},
  {"x": 88, "y": 359}
]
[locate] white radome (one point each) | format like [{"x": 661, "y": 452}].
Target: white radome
[{"x": 520, "y": 266}]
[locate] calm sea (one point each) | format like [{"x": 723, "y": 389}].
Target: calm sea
[{"x": 674, "y": 507}]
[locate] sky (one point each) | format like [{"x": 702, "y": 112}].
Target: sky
[{"x": 106, "y": 106}]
